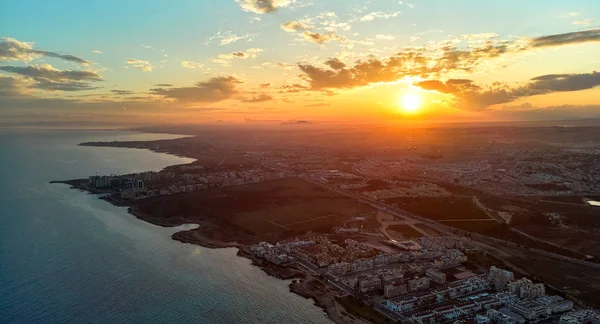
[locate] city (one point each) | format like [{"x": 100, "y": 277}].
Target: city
[{"x": 373, "y": 230}]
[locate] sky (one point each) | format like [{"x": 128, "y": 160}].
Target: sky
[{"x": 191, "y": 61}]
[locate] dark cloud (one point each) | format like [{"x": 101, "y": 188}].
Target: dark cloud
[
  {"x": 213, "y": 90},
  {"x": 265, "y": 85},
  {"x": 14, "y": 50},
  {"x": 47, "y": 72},
  {"x": 122, "y": 92},
  {"x": 263, "y": 6},
  {"x": 319, "y": 38},
  {"x": 592, "y": 35},
  {"x": 163, "y": 85},
  {"x": 260, "y": 98},
  {"x": 471, "y": 96},
  {"x": 63, "y": 86},
  {"x": 47, "y": 77},
  {"x": 335, "y": 63},
  {"x": 565, "y": 82},
  {"x": 65, "y": 57}
]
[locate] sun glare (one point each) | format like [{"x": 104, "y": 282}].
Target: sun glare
[{"x": 410, "y": 102}]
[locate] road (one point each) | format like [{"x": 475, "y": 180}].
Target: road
[{"x": 441, "y": 228}]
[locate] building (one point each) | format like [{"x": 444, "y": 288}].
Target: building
[
  {"x": 436, "y": 276},
  {"x": 391, "y": 276},
  {"x": 530, "y": 309},
  {"x": 368, "y": 283},
  {"x": 501, "y": 318},
  {"x": 100, "y": 181},
  {"x": 394, "y": 289},
  {"x": 526, "y": 289},
  {"x": 419, "y": 284},
  {"x": 339, "y": 269},
  {"x": 132, "y": 184},
  {"x": 401, "y": 305},
  {"x": 556, "y": 304},
  {"x": 500, "y": 277},
  {"x": 581, "y": 317}
]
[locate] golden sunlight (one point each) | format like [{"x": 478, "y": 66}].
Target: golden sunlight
[{"x": 410, "y": 102}]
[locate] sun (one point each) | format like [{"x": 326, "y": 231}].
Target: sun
[{"x": 410, "y": 103}]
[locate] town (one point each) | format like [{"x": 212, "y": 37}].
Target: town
[
  {"x": 418, "y": 232},
  {"x": 430, "y": 284}
]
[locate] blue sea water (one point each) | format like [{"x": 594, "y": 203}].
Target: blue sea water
[{"x": 66, "y": 256}]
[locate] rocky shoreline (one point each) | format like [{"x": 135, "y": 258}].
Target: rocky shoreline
[{"x": 303, "y": 282}]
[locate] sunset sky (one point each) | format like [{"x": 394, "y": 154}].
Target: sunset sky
[{"x": 320, "y": 60}]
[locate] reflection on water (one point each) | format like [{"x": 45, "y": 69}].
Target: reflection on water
[{"x": 67, "y": 256}]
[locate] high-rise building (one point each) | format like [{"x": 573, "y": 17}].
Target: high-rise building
[
  {"x": 500, "y": 277},
  {"x": 526, "y": 289}
]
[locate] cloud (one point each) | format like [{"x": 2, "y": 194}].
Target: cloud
[
  {"x": 474, "y": 97},
  {"x": 47, "y": 72},
  {"x": 319, "y": 38},
  {"x": 335, "y": 63},
  {"x": 265, "y": 85},
  {"x": 292, "y": 88},
  {"x": 295, "y": 26},
  {"x": 584, "y": 22},
  {"x": 398, "y": 66},
  {"x": 263, "y": 6},
  {"x": 163, "y": 85},
  {"x": 139, "y": 64},
  {"x": 213, "y": 90},
  {"x": 229, "y": 37},
  {"x": 384, "y": 37},
  {"x": 260, "y": 98},
  {"x": 97, "y": 52},
  {"x": 14, "y": 50},
  {"x": 427, "y": 63},
  {"x": 192, "y": 65},
  {"x": 226, "y": 59},
  {"x": 11, "y": 87},
  {"x": 379, "y": 14},
  {"x": 304, "y": 29},
  {"x": 46, "y": 77},
  {"x": 591, "y": 35},
  {"x": 122, "y": 92}
]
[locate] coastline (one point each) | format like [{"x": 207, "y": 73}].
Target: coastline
[{"x": 303, "y": 283}]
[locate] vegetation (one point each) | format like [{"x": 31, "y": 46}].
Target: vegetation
[{"x": 357, "y": 308}]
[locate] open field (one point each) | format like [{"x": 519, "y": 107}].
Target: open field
[
  {"x": 424, "y": 228},
  {"x": 535, "y": 208},
  {"x": 439, "y": 209},
  {"x": 581, "y": 239},
  {"x": 403, "y": 232},
  {"x": 578, "y": 281},
  {"x": 357, "y": 308},
  {"x": 271, "y": 211}
]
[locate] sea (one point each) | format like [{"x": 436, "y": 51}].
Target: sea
[{"x": 68, "y": 257}]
